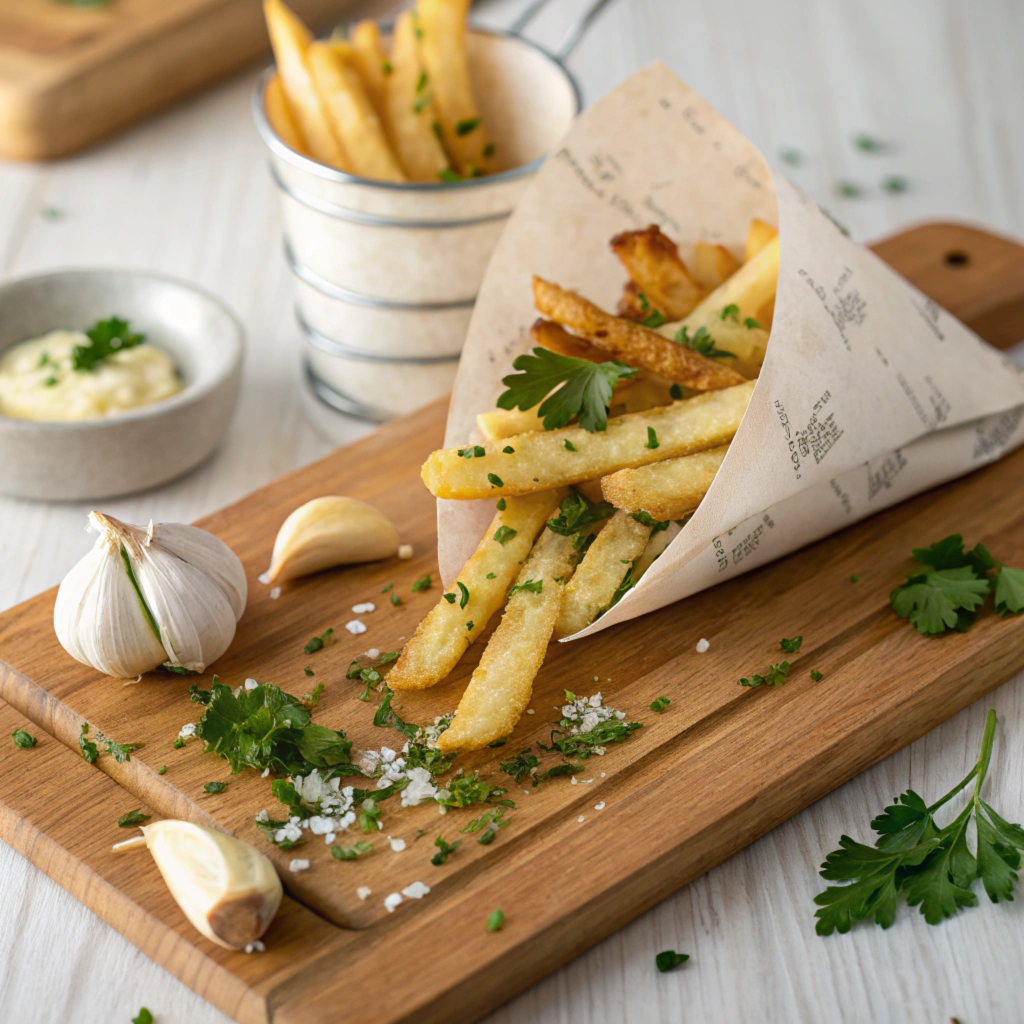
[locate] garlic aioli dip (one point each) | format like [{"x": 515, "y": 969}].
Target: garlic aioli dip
[{"x": 37, "y": 381}]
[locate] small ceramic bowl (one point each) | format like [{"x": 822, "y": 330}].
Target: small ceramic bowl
[{"x": 143, "y": 447}]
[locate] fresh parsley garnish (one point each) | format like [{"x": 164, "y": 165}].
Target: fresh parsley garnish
[
  {"x": 675, "y": 392},
  {"x": 317, "y": 642},
  {"x": 494, "y": 480},
  {"x": 386, "y": 67},
  {"x": 791, "y": 646},
  {"x": 495, "y": 920},
  {"x": 791, "y": 156},
  {"x": 475, "y": 451},
  {"x": 423, "y": 583},
  {"x": 444, "y": 850},
  {"x": 312, "y": 698},
  {"x": 387, "y": 657},
  {"x": 501, "y": 506},
  {"x": 774, "y": 676},
  {"x": 309, "y": 671},
  {"x": 569, "y": 446},
  {"x": 120, "y": 752},
  {"x": 504, "y": 533},
  {"x": 533, "y": 586},
  {"x": 652, "y": 438},
  {"x": 646, "y": 519},
  {"x": 816, "y": 675},
  {"x": 654, "y": 318},
  {"x": 588, "y": 726},
  {"x": 669, "y": 959},
  {"x": 660, "y": 703},
  {"x": 730, "y": 312},
  {"x": 132, "y": 818},
  {"x": 575, "y": 514},
  {"x": 144, "y": 1017},
  {"x": 751, "y": 324},
  {"x": 932, "y": 866},
  {"x": 449, "y": 175},
  {"x": 469, "y": 625},
  {"x": 23, "y": 739},
  {"x": 464, "y": 599},
  {"x": 854, "y": 578},
  {"x": 585, "y": 392},
  {"x": 702, "y": 343},
  {"x": 489, "y": 822},
  {"x": 162, "y": 770},
  {"x": 359, "y": 849},
  {"x": 215, "y": 787},
  {"x": 465, "y": 126},
  {"x": 105, "y": 338},
  {"x": 387, "y": 587},
  {"x": 868, "y": 143},
  {"x": 450, "y": 598},
  {"x": 508, "y": 450},
  {"x": 395, "y": 599},
  {"x": 895, "y": 183}
]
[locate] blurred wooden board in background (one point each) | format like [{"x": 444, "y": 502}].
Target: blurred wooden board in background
[{"x": 71, "y": 75}]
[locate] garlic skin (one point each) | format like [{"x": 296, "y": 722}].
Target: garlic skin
[
  {"x": 191, "y": 592},
  {"x": 227, "y": 889},
  {"x": 327, "y": 532}
]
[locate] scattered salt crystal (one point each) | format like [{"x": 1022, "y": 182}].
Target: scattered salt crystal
[
  {"x": 251, "y": 684},
  {"x": 530, "y": 711},
  {"x": 405, "y": 551},
  {"x": 297, "y": 864},
  {"x": 329, "y": 837},
  {"x": 416, "y": 891},
  {"x": 573, "y": 781},
  {"x": 599, "y": 807},
  {"x": 391, "y": 901},
  {"x": 264, "y": 577},
  {"x": 373, "y": 654},
  {"x": 255, "y": 947},
  {"x": 187, "y": 731},
  {"x": 363, "y": 891},
  {"x": 597, "y": 679},
  {"x": 526, "y": 791},
  {"x": 275, "y": 593},
  {"x": 702, "y": 645},
  {"x": 263, "y": 815},
  {"x": 362, "y": 609},
  {"x": 603, "y": 774},
  {"x": 355, "y": 627},
  {"x": 585, "y": 781},
  {"x": 580, "y": 819},
  {"x": 398, "y": 845},
  {"x": 266, "y": 772}
]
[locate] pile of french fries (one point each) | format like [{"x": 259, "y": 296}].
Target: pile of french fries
[
  {"x": 404, "y": 112},
  {"x": 627, "y": 496}
]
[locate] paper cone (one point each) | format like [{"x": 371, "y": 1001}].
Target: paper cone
[{"x": 869, "y": 393}]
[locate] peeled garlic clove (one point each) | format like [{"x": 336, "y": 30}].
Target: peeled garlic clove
[
  {"x": 143, "y": 597},
  {"x": 227, "y": 889},
  {"x": 330, "y": 531}
]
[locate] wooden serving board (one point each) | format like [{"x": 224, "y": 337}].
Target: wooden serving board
[
  {"x": 719, "y": 768},
  {"x": 70, "y": 75}
]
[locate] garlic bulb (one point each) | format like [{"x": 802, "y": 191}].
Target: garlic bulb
[
  {"x": 227, "y": 889},
  {"x": 330, "y": 531},
  {"x": 144, "y": 597}
]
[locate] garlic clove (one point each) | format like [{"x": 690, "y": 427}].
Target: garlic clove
[
  {"x": 208, "y": 553},
  {"x": 228, "y": 890},
  {"x": 330, "y": 531}
]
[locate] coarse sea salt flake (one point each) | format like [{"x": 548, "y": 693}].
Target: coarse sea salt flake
[
  {"x": 363, "y": 891},
  {"x": 574, "y": 781},
  {"x": 416, "y": 891},
  {"x": 355, "y": 627},
  {"x": 255, "y": 947},
  {"x": 702, "y": 645},
  {"x": 398, "y": 845},
  {"x": 405, "y": 551},
  {"x": 297, "y": 864},
  {"x": 362, "y": 609},
  {"x": 373, "y": 654},
  {"x": 264, "y": 577},
  {"x": 600, "y": 806},
  {"x": 251, "y": 684},
  {"x": 391, "y": 901},
  {"x": 275, "y": 593},
  {"x": 580, "y": 819}
]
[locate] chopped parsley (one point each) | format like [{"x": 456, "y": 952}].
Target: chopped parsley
[
  {"x": 144, "y": 1017},
  {"x": 533, "y": 586},
  {"x": 488, "y": 823},
  {"x": 386, "y": 67},
  {"x": 421, "y": 104},
  {"x": 495, "y": 920},
  {"x": 575, "y": 514},
  {"x": 465, "y": 126},
  {"x": 660, "y": 703},
  {"x": 675, "y": 392},
  {"x": 387, "y": 657},
  {"x": 791, "y": 156},
  {"x": 504, "y": 533},
  {"x": 895, "y": 184},
  {"x": 501, "y": 506},
  {"x": 508, "y": 450},
  {"x": 489, "y": 149},
  {"x": 105, "y": 338},
  {"x": 569, "y": 446},
  {"x": 868, "y": 143},
  {"x": 309, "y": 671},
  {"x": 652, "y": 438},
  {"x": 317, "y": 642},
  {"x": 670, "y": 959},
  {"x": 312, "y": 698},
  {"x": 588, "y": 727},
  {"x": 646, "y": 519},
  {"x": 585, "y": 392},
  {"x": 849, "y": 190},
  {"x": 774, "y": 676},
  {"x": 215, "y": 787},
  {"x": 491, "y": 576},
  {"x": 464, "y": 600},
  {"x": 23, "y": 739},
  {"x": 421, "y": 82},
  {"x": 370, "y": 676},
  {"x": 444, "y": 850},
  {"x": 816, "y": 675},
  {"x": 791, "y": 646},
  {"x": 730, "y": 312},
  {"x": 359, "y": 849},
  {"x": 494, "y": 480},
  {"x": 395, "y": 599},
  {"x": 132, "y": 818},
  {"x": 702, "y": 343},
  {"x": 854, "y": 578},
  {"x": 120, "y": 752},
  {"x": 162, "y": 770},
  {"x": 447, "y": 174},
  {"x": 423, "y": 583},
  {"x": 450, "y": 598},
  {"x": 475, "y": 451},
  {"x": 469, "y": 625},
  {"x": 387, "y": 587},
  {"x": 751, "y": 324}
]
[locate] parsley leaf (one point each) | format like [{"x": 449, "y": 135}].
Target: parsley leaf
[
  {"x": 465, "y": 126},
  {"x": 105, "y": 338},
  {"x": 660, "y": 703},
  {"x": 423, "y": 583},
  {"x": 652, "y": 438},
  {"x": 816, "y": 676},
  {"x": 132, "y": 818},
  {"x": 360, "y": 848},
  {"x": 504, "y": 533},
  {"x": 575, "y": 513},
  {"x": 940, "y": 600},
  {"x": 534, "y": 586},
  {"x": 317, "y": 642},
  {"x": 1009, "y": 591},
  {"x": 23, "y": 739},
  {"x": 791, "y": 646},
  {"x": 669, "y": 959},
  {"x": 495, "y": 919},
  {"x": 775, "y": 676},
  {"x": 215, "y": 787},
  {"x": 444, "y": 850},
  {"x": 585, "y": 392},
  {"x": 144, "y": 1017},
  {"x": 702, "y": 343}
]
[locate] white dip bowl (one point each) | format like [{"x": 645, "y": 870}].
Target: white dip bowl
[
  {"x": 387, "y": 273},
  {"x": 143, "y": 447}
]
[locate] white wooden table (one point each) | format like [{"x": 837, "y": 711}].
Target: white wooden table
[{"x": 188, "y": 193}]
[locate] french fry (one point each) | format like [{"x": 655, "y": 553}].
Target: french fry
[
  {"x": 631, "y": 306},
  {"x": 444, "y": 635},
  {"x": 653, "y": 263},
  {"x": 280, "y": 116},
  {"x": 759, "y": 235},
  {"x": 540, "y": 460},
  {"x": 502, "y": 423},
  {"x": 749, "y": 289},
  {"x": 666, "y": 490},
  {"x": 604, "y": 566},
  {"x": 502, "y": 684},
  {"x": 372, "y": 63},
  {"x": 411, "y": 111},
  {"x": 656, "y": 544},
  {"x": 291, "y": 40},
  {"x": 555, "y": 337},
  {"x": 712, "y": 264},
  {"x": 631, "y": 342},
  {"x": 351, "y": 113},
  {"x": 443, "y": 49},
  {"x": 747, "y": 344}
]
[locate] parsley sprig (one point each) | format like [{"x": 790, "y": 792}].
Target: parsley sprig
[
  {"x": 702, "y": 343},
  {"x": 932, "y": 867},
  {"x": 584, "y": 389},
  {"x": 105, "y": 338}
]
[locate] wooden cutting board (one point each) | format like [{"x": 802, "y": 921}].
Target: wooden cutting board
[
  {"x": 70, "y": 75},
  {"x": 718, "y": 769}
]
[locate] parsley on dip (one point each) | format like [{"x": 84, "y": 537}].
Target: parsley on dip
[{"x": 74, "y": 375}]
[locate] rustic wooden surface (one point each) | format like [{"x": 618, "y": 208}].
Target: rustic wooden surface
[
  {"x": 74, "y": 74},
  {"x": 722, "y": 766},
  {"x": 187, "y": 193}
]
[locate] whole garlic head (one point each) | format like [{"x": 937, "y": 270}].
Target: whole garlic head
[
  {"x": 227, "y": 889},
  {"x": 140, "y": 598}
]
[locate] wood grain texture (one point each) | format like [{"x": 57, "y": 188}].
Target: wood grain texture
[
  {"x": 730, "y": 763},
  {"x": 187, "y": 193}
]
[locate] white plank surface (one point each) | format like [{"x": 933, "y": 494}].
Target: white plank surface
[{"x": 188, "y": 193}]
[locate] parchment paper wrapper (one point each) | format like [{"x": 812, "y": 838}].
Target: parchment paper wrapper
[{"x": 869, "y": 393}]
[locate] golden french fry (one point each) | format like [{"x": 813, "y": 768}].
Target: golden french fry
[
  {"x": 442, "y": 24},
  {"x": 451, "y": 626},
  {"x": 712, "y": 264},
  {"x": 540, "y": 460},
  {"x": 656, "y": 544},
  {"x": 653, "y": 263},
  {"x": 556, "y": 338},
  {"x": 631, "y": 342},
  {"x": 280, "y": 116},
  {"x": 503, "y": 423},
  {"x": 372, "y": 63},
  {"x": 290, "y": 40},
  {"x": 665, "y": 490},
  {"x": 604, "y": 566},
  {"x": 351, "y": 113},
  {"x": 631, "y": 306},
  {"x": 758, "y": 236},
  {"x": 748, "y": 289},
  {"x": 412, "y": 115},
  {"x": 502, "y": 684}
]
